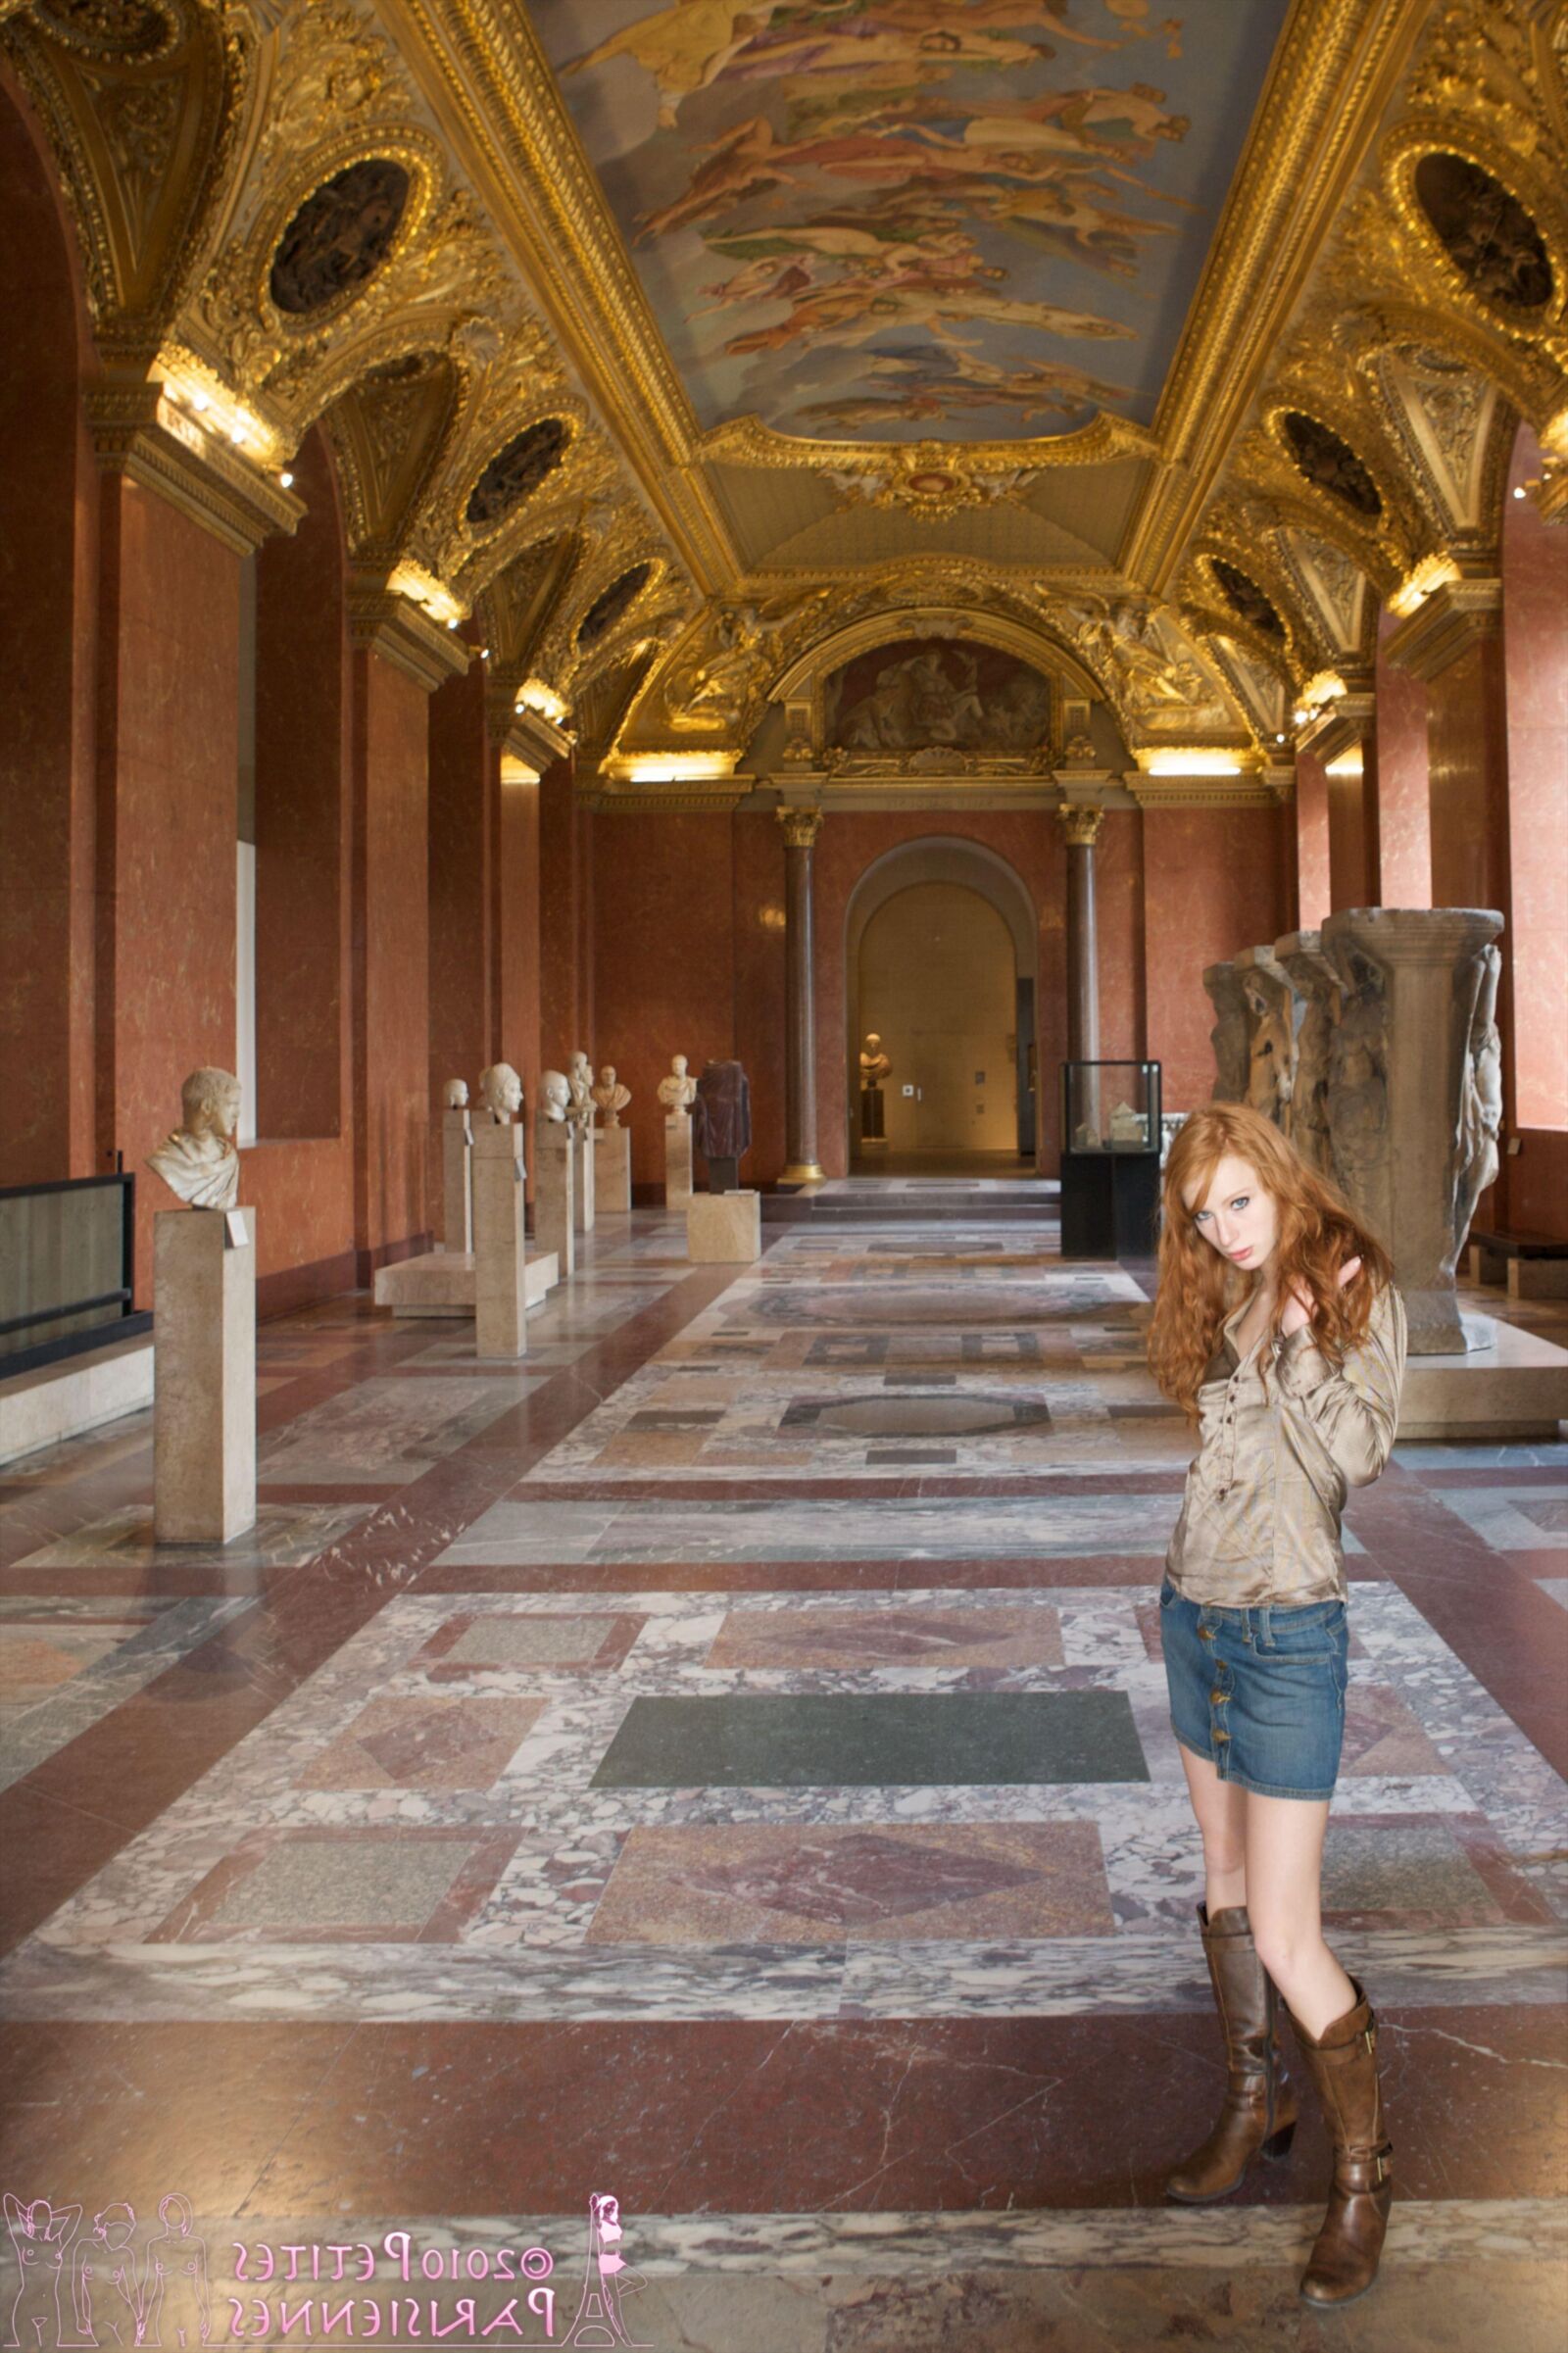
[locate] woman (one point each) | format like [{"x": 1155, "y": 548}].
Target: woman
[{"x": 1292, "y": 1367}]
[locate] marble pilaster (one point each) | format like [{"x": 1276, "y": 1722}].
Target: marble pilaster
[{"x": 584, "y": 1193}]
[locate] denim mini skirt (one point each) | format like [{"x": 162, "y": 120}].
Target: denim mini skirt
[{"x": 1259, "y": 1691}]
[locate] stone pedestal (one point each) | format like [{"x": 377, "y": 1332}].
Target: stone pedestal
[
  {"x": 612, "y": 1163},
  {"x": 583, "y": 1202},
  {"x": 457, "y": 1181},
  {"x": 554, "y": 1155},
  {"x": 678, "y": 1160},
  {"x": 500, "y": 1293},
  {"x": 724, "y": 1228},
  {"x": 1413, "y": 1122},
  {"x": 204, "y": 1342}
]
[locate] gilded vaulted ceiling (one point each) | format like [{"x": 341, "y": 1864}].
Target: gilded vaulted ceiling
[{"x": 666, "y": 353}]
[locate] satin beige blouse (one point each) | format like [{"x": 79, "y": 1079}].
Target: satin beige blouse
[{"x": 1261, "y": 1514}]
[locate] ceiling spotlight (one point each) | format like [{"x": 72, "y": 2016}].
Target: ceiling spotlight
[
  {"x": 1279, "y": 739},
  {"x": 286, "y": 479},
  {"x": 1519, "y": 490}
]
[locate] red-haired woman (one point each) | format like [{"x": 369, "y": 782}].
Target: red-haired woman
[{"x": 1278, "y": 1327}]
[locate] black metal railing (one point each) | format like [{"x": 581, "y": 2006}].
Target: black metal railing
[{"x": 68, "y": 1279}]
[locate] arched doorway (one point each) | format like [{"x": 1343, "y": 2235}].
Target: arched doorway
[{"x": 941, "y": 948}]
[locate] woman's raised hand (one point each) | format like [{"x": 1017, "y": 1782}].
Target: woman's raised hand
[{"x": 1299, "y": 1307}]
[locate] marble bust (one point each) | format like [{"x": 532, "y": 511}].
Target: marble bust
[
  {"x": 200, "y": 1160},
  {"x": 554, "y": 1095},
  {"x": 677, "y": 1093},
  {"x": 611, "y": 1096},
  {"x": 455, "y": 1095},
  {"x": 875, "y": 1063},
  {"x": 580, "y": 1081},
  {"x": 501, "y": 1093}
]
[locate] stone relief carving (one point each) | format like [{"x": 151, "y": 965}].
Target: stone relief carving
[
  {"x": 1227, "y": 1037},
  {"x": 1481, "y": 1092},
  {"x": 1317, "y": 987},
  {"x": 199, "y": 1160}
]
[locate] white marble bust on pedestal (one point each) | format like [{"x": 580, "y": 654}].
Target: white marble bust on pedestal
[
  {"x": 679, "y": 1092},
  {"x": 200, "y": 1160},
  {"x": 455, "y": 1095},
  {"x": 555, "y": 1097}
]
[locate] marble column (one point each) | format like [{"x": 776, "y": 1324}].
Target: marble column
[
  {"x": 801, "y": 829},
  {"x": 1413, "y": 1100},
  {"x": 204, "y": 1375},
  {"x": 500, "y": 1297},
  {"x": 554, "y": 1183},
  {"x": 457, "y": 1179},
  {"x": 1081, "y": 825},
  {"x": 1403, "y": 781}
]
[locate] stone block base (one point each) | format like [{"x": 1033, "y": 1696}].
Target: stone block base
[
  {"x": 52, "y": 1402},
  {"x": 677, "y": 1162},
  {"x": 441, "y": 1283},
  {"x": 723, "y": 1229},
  {"x": 1507, "y": 1385}
]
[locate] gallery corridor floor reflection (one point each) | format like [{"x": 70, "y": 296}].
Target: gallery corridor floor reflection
[{"x": 722, "y": 1761}]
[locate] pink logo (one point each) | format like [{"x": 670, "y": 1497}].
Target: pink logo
[{"x": 605, "y": 2279}]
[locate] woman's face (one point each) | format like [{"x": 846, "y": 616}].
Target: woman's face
[{"x": 1235, "y": 1214}]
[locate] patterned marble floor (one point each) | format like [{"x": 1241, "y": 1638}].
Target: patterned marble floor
[{"x": 721, "y": 1760}]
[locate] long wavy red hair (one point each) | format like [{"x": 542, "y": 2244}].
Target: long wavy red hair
[{"x": 1317, "y": 1232}]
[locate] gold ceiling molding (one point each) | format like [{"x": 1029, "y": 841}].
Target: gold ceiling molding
[
  {"x": 1337, "y": 66},
  {"x": 747, "y": 441}
]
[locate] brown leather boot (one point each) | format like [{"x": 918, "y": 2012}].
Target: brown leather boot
[
  {"x": 1343, "y": 2063},
  {"x": 1260, "y": 2111}
]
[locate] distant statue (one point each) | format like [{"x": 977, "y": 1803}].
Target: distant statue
[
  {"x": 555, "y": 1097},
  {"x": 722, "y": 1122},
  {"x": 611, "y": 1096},
  {"x": 677, "y": 1093},
  {"x": 875, "y": 1063},
  {"x": 455, "y": 1095},
  {"x": 501, "y": 1093},
  {"x": 580, "y": 1080},
  {"x": 200, "y": 1160}
]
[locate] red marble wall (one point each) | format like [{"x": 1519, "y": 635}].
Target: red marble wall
[
  {"x": 1469, "y": 780},
  {"x": 757, "y": 953},
  {"x": 1119, "y": 923},
  {"x": 565, "y": 919},
  {"x": 391, "y": 951},
  {"x": 515, "y": 934},
  {"x": 1311, "y": 861},
  {"x": 1215, "y": 882},
  {"x": 464, "y": 790},
  {"x": 1353, "y": 833},
  {"x": 1534, "y": 633},
  {"x": 302, "y": 824},
  {"x": 664, "y": 964},
  {"x": 169, "y": 767},
  {"x": 1403, "y": 781},
  {"x": 48, "y": 554}
]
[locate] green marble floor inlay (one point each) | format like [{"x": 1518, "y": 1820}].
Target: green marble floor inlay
[{"x": 827, "y": 1740}]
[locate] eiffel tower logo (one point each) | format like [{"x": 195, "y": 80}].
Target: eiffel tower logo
[{"x": 605, "y": 2279}]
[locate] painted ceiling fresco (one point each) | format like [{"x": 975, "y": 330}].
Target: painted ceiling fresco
[{"x": 888, "y": 220}]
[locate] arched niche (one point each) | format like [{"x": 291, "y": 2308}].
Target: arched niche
[
  {"x": 799, "y": 690},
  {"x": 971, "y": 867}
]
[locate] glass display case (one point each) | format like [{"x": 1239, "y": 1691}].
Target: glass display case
[
  {"x": 1110, "y": 1156},
  {"x": 1111, "y": 1107}
]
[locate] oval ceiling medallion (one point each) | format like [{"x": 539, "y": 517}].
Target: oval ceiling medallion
[
  {"x": 608, "y": 605},
  {"x": 518, "y": 469},
  {"x": 1245, "y": 597},
  {"x": 117, "y": 29},
  {"x": 1485, "y": 231},
  {"x": 339, "y": 236},
  {"x": 1330, "y": 463}
]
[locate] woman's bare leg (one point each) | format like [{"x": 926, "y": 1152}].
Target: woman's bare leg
[
  {"x": 1221, "y": 1811},
  {"x": 1284, "y": 1867}
]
